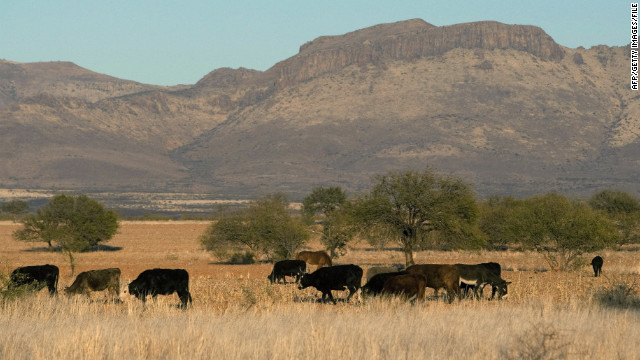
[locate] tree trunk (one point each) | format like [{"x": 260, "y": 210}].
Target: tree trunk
[
  {"x": 71, "y": 261},
  {"x": 408, "y": 253}
]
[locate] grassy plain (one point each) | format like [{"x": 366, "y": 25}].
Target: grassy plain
[{"x": 237, "y": 314}]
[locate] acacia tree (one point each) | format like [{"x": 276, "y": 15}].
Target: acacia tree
[
  {"x": 337, "y": 227},
  {"x": 265, "y": 226},
  {"x": 73, "y": 222},
  {"x": 623, "y": 209},
  {"x": 323, "y": 200},
  {"x": 411, "y": 204},
  {"x": 562, "y": 229}
]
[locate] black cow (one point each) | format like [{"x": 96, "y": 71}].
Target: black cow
[
  {"x": 479, "y": 275},
  {"x": 96, "y": 280},
  {"x": 287, "y": 268},
  {"x": 375, "y": 285},
  {"x": 37, "y": 275},
  {"x": 597, "y": 265},
  {"x": 336, "y": 277},
  {"x": 491, "y": 266},
  {"x": 156, "y": 282}
]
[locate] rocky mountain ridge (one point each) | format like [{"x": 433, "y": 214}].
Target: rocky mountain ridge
[{"x": 504, "y": 106}]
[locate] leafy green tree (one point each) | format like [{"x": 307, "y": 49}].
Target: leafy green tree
[
  {"x": 411, "y": 204},
  {"x": 323, "y": 201},
  {"x": 73, "y": 222},
  {"x": 496, "y": 220},
  {"x": 265, "y": 226},
  {"x": 623, "y": 209},
  {"x": 16, "y": 208},
  {"x": 562, "y": 229},
  {"x": 338, "y": 230}
]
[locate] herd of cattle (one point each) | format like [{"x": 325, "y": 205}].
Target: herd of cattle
[{"x": 457, "y": 279}]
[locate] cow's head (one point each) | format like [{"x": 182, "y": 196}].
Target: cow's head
[
  {"x": 135, "y": 290},
  {"x": 305, "y": 281},
  {"x": 272, "y": 277},
  {"x": 502, "y": 289}
]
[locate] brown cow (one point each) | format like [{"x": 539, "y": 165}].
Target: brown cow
[
  {"x": 319, "y": 258},
  {"x": 408, "y": 285},
  {"x": 439, "y": 276},
  {"x": 96, "y": 280}
]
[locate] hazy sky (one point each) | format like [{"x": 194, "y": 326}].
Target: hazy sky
[{"x": 178, "y": 42}]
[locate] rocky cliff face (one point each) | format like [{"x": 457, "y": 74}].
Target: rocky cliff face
[{"x": 408, "y": 41}]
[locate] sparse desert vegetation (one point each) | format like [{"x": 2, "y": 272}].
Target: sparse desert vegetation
[{"x": 238, "y": 314}]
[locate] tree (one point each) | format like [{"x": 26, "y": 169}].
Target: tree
[
  {"x": 562, "y": 229},
  {"x": 623, "y": 209},
  {"x": 412, "y": 204},
  {"x": 496, "y": 220},
  {"x": 265, "y": 226},
  {"x": 73, "y": 222},
  {"x": 16, "y": 208},
  {"x": 323, "y": 200},
  {"x": 337, "y": 231},
  {"x": 337, "y": 227}
]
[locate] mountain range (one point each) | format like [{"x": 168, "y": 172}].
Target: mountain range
[{"x": 502, "y": 106}]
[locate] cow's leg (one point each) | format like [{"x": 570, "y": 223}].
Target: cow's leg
[
  {"x": 352, "y": 290},
  {"x": 52, "y": 289}
]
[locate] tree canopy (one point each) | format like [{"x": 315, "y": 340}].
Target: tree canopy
[
  {"x": 623, "y": 209},
  {"x": 266, "y": 226},
  {"x": 411, "y": 204},
  {"x": 562, "y": 229},
  {"x": 73, "y": 222}
]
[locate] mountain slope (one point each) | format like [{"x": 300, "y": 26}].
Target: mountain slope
[{"x": 502, "y": 106}]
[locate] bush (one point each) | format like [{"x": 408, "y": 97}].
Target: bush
[
  {"x": 242, "y": 258},
  {"x": 618, "y": 295}
]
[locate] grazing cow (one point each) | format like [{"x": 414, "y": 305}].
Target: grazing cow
[
  {"x": 287, "y": 268},
  {"x": 408, "y": 285},
  {"x": 479, "y": 275},
  {"x": 37, "y": 275},
  {"x": 336, "y": 277},
  {"x": 156, "y": 282},
  {"x": 371, "y": 272},
  {"x": 375, "y": 285},
  {"x": 491, "y": 266},
  {"x": 319, "y": 258},
  {"x": 597, "y": 265},
  {"x": 96, "y": 280},
  {"x": 439, "y": 276}
]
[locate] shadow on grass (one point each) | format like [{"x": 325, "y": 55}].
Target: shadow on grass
[{"x": 95, "y": 248}]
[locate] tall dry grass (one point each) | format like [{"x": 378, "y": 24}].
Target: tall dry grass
[{"x": 251, "y": 319}]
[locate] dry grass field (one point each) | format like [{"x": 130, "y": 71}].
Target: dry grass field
[{"x": 237, "y": 314}]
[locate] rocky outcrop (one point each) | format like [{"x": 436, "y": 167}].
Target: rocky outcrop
[{"x": 409, "y": 40}]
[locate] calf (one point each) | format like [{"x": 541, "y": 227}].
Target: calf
[
  {"x": 479, "y": 275},
  {"x": 156, "y": 282},
  {"x": 407, "y": 285},
  {"x": 375, "y": 285},
  {"x": 287, "y": 268},
  {"x": 439, "y": 276},
  {"x": 319, "y": 258},
  {"x": 597, "y": 265},
  {"x": 336, "y": 277},
  {"x": 96, "y": 280},
  {"x": 38, "y": 276}
]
